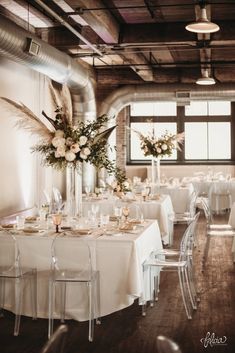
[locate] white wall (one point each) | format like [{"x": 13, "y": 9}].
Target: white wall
[
  {"x": 22, "y": 178},
  {"x": 178, "y": 171}
]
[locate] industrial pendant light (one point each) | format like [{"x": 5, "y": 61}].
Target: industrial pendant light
[
  {"x": 205, "y": 79},
  {"x": 202, "y": 25}
]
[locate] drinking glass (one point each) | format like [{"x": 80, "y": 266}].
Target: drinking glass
[
  {"x": 118, "y": 213},
  {"x": 125, "y": 212},
  {"x": 20, "y": 221},
  {"x": 95, "y": 209},
  {"x": 57, "y": 218},
  {"x": 87, "y": 191}
]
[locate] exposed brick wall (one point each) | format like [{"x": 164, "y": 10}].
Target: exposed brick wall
[{"x": 121, "y": 140}]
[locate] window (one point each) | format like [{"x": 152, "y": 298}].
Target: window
[
  {"x": 206, "y": 140},
  {"x": 208, "y": 127}
]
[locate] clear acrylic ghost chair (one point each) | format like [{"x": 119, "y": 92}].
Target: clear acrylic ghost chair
[
  {"x": 166, "y": 345},
  {"x": 213, "y": 230},
  {"x": 136, "y": 212},
  {"x": 11, "y": 270},
  {"x": 73, "y": 266},
  {"x": 56, "y": 343},
  {"x": 181, "y": 264}
]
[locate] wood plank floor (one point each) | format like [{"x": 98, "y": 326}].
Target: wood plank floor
[{"x": 128, "y": 332}]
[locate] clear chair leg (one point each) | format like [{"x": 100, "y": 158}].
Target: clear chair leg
[
  {"x": 91, "y": 312},
  {"x": 18, "y": 305},
  {"x": 2, "y": 296},
  {"x": 33, "y": 291},
  {"x": 51, "y": 307},
  {"x": 183, "y": 292},
  {"x": 62, "y": 301},
  {"x": 97, "y": 299},
  {"x": 192, "y": 298}
]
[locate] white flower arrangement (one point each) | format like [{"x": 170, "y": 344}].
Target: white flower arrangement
[{"x": 162, "y": 146}]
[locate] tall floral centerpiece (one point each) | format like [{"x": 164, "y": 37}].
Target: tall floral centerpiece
[
  {"x": 65, "y": 146},
  {"x": 158, "y": 147}
]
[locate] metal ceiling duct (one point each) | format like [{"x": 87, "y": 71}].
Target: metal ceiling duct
[
  {"x": 25, "y": 48},
  {"x": 124, "y": 96}
]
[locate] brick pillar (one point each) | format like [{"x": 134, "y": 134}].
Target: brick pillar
[{"x": 121, "y": 139}]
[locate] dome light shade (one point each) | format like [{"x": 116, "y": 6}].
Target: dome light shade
[
  {"x": 205, "y": 79},
  {"x": 202, "y": 25}
]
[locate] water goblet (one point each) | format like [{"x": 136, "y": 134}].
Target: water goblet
[
  {"x": 125, "y": 212},
  {"x": 57, "y": 218},
  {"x": 118, "y": 214}
]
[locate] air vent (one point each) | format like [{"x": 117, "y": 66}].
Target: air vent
[
  {"x": 32, "y": 47},
  {"x": 183, "y": 98}
]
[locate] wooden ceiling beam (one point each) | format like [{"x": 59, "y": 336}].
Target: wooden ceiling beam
[{"x": 102, "y": 22}]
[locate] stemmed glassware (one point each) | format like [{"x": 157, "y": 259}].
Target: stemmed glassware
[
  {"x": 87, "y": 191},
  {"x": 118, "y": 214},
  {"x": 95, "y": 209},
  {"x": 57, "y": 218},
  {"x": 125, "y": 212}
]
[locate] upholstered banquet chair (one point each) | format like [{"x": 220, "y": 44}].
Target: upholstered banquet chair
[
  {"x": 175, "y": 260},
  {"x": 75, "y": 268},
  {"x": 11, "y": 270}
]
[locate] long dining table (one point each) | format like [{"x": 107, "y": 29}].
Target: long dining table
[{"x": 118, "y": 257}]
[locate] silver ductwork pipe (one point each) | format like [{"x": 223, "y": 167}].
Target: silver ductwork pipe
[
  {"x": 122, "y": 97},
  {"x": 55, "y": 64}
]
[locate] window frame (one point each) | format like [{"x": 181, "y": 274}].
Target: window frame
[{"x": 180, "y": 119}]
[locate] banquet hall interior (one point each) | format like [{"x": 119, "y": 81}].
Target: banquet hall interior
[{"x": 117, "y": 192}]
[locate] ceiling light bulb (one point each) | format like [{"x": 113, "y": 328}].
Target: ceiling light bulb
[
  {"x": 205, "y": 79},
  {"x": 202, "y": 25}
]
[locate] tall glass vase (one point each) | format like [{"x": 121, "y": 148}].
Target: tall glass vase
[
  {"x": 74, "y": 190},
  {"x": 155, "y": 170}
]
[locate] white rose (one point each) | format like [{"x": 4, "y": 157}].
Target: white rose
[
  {"x": 86, "y": 151},
  {"x": 126, "y": 184},
  {"x": 83, "y": 156},
  {"x": 58, "y": 141},
  {"x": 57, "y": 154},
  {"x": 59, "y": 133},
  {"x": 69, "y": 141},
  {"x": 75, "y": 148},
  {"x": 145, "y": 149},
  {"x": 164, "y": 147},
  {"x": 159, "y": 150},
  {"x": 82, "y": 140},
  {"x": 156, "y": 145},
  {"x": 70, "y": 156},
  {"x": 61, "y": 151}
]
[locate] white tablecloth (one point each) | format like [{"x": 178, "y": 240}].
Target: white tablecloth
[
  {"x": 180, "y": 196},
  {"x": 152, "y": 209},
  {"x": 118, "y": 258},
  {"x": 231, "y": 221}
]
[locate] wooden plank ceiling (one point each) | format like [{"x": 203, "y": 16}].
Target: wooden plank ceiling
[{"x": 140, "y": 40}]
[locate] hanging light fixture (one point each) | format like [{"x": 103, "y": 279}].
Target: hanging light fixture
[
  {"x": 205, "y": 79},
  {"x": 202, "y": 25}
]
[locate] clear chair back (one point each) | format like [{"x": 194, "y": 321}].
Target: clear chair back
[{"x": 9, "y": 253}]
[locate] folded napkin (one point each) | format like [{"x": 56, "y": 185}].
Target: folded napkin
[
  {"x": 30, "y": 230},
  {"x": 7, "y": 226},
  {"x": 30, "y": 219}
]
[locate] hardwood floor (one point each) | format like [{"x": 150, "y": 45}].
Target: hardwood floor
[{"x": 128, "y": 332}]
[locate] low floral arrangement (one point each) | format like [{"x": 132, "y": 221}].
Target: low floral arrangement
[
  {"x": 162, "y": 146},
  {"x": 121, "y": 182}
]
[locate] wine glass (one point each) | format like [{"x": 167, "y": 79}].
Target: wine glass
[
  {"x": 57, "y": 218},
  {"x": 118, "y": 214},
  {"x": 125, "y": 212},
  {"x": 87, "y": 191},
  {"x": 94, "y": 209}
]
